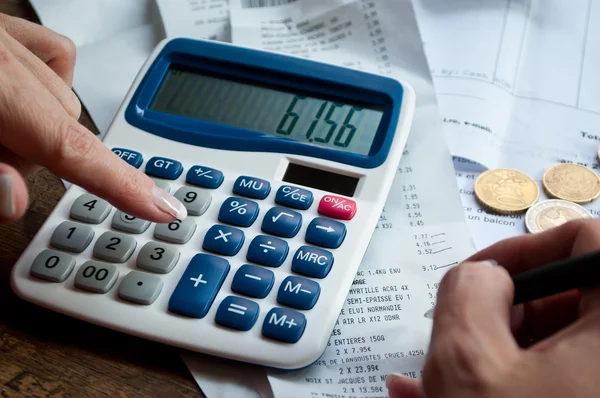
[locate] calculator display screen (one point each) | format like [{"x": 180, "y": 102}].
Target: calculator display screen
[{"x": 339, "y": 125}]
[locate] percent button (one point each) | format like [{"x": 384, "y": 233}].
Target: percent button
[{"x": 238, "y": 211}]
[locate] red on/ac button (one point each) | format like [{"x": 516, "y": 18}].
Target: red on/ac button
[{"x": 337, "y": 207}]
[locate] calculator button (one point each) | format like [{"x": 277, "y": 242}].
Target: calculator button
[
  {"x": 325, "y": 232},
  {"x": 238, "y": 211},
  {"x": 140, "y": 287},
  {"x": 114, "y": 247},
  {"x": 251, "y": 187},
  {"x": 294, "y": 197},
  {"x": 267, "y": 250},
  {"x": 337, "y": 207},
  {"x": 127, "y": 223},
  {"x": 162, "y": 184},
  {"x": 312, "y": 261},
  {"x": 71, "y": 237},
  {"x": 199, "y": 285},
  {"x": 282, "y": 222},
  {"x": 253, "y": 281},
  {"x": 237, "y": 313},
  {"x": 284, "y": 324},
  {"x": 204, "y": 177},
  {"x": 221, "y": 239},
  {"x": 96, "y": 277},
  {"x": 166, "y": 168},
  {"x": 158, "y": 257},
  {"x": 297, "y": 292},
  {"x": 132, "y": 157},
  {"x": 90, "y": 208},
  {"x": 196, "y": 201},
  {"x": 179, "y": 232},
  {"x": 52, "y": 266}
]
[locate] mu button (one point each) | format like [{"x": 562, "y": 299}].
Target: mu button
[{"x": 337, "y": 207}]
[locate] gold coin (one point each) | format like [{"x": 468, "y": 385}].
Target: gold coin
[
  {"x": 506, "y": 191},
  {"x": 548, "y": 214},
  {"x": 571, "y": 182}
]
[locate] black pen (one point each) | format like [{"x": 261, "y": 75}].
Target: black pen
[{"x": 557, "y": 277}]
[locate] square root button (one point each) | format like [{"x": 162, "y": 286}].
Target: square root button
[{"x": 199, "y": 285}]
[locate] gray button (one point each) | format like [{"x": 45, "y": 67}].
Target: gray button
[
  {"x": 140, "y": 287},
  {"x": 158, "y": 257},
  {"x": 162, "y": 184},
  {"x": 71, "y": 236},
  {"x": 52, "y": 266},
  {"x": 90, "y": 208},
  {"x": 96, "y": 277},
  {"x": 126, "y": 223},
  {"x": 195, "y": 200},
  {"x": 176, "y": 232},
  {"x": 114, "y": 247}
]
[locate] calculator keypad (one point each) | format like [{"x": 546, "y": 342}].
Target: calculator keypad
[
  {"x": 282, "y": 222},
  {"x": 72, "y": 237},
  {"x": 127, "y": 223},
  {"x": 96, "y": 277},
  {"x": 198, "y": 287},
  {"x": 158, "y": 257},
  {"x": 179, "y": 232},
  {"x": 53, "y": 266},
  {"x": 196, "y": 201},
  {"x": 114, "y": 247},
  {"x": 90, "y": 209},
  {"x": 140, "y": 287}
]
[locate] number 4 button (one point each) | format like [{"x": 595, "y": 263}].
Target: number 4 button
[{"x": 90, "y": 209}]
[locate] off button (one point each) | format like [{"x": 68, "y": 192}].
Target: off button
[{"x": 337, "y": 207}]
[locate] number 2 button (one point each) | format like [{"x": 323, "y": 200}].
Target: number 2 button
[{"x": 114, "y": 247}]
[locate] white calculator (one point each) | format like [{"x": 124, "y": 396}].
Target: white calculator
[{"x": 283, "y": 164}]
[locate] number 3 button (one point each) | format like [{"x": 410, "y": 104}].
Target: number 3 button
[{"x": 157, "y": 257}]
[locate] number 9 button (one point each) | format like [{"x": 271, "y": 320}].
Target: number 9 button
[{"x": 196, "y": 201}]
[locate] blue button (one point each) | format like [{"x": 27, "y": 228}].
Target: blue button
[
  {"x": 253, "y": 281},
  {"x": 237, "y": 313},
  {"x": 204, "y": 177},
  {"x": 325, "y": 232},
  {"x": 284, "y": 325},
  {"x": 132, "y": 157},
  {"x": 238, "y": 211},
  {"x": 222, "y": 239},
  {"x": 294, "y": 197},
  {"x": 251, "y": 187},
  {"x": 199, "y": 285},
  {"x": 298, "y": 292},
  {"x": 166, "y": 168},
  {"x": 267, "y": 250},
  {"x": 282, "y": 222},
  {"x": 312, "y": 261}
]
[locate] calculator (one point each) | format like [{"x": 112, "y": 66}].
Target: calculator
[{"x": 283, "y": 164}]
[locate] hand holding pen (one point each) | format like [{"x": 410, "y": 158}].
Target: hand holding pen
[{"x": 485, "y": 344}]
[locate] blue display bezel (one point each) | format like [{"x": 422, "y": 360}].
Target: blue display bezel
[{"x": 273, "y": 70}]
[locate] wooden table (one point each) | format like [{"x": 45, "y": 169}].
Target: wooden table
[{"x": 45, "y": 354}]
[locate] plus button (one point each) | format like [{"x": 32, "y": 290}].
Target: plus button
[{"x": 198, "y": 280}]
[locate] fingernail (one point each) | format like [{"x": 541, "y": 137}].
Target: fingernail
[
  {"x": 168, "y": 203},
  {"x": 488, "y": 263},
  {"x": 7, "y": 199},
  {"x": 391, "y": 377}
]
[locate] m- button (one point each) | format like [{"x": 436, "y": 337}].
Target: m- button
[{"x": 337, "y": 207}]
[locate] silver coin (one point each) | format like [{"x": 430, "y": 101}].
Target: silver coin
[{"x": 551, "y": 213}]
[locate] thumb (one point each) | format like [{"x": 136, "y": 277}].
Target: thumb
[{"x": 13, "y": 194}]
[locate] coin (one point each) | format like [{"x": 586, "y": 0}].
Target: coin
[
  {"x": 571, "y": 182},
  {"x": 506, "y": 191},
  {"x": 548, "y": 214}
]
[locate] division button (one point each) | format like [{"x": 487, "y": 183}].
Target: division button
[
  {"x": 267, "y": 250},
  {"x": 284, "y": 324},
  {"x": 237, "y": 313}
]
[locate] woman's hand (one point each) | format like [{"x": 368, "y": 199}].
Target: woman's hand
[
  {"x": 39, "y": 127},
  {"x": 482, "y": 346}
]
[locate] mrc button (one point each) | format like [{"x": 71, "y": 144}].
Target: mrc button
[
  {"x": 312, "y": 261},
  {"x": 132, "y": 157},
  {"x": 166, "y": 168},
  {"x": 337, "y": 207}
]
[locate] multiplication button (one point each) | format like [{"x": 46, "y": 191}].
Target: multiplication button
[
  {"x": 221, "y": 239},
  {"x": 237, "y": 313},
  {"x": 284, "y": 324},
  {"x": 71, "y": 237},
  {"x": 294, "y": 197},
  {"x": 96, "y": 277},
  {"x": 52, "y": 266},
  {"x": 90, "y": 209}
]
